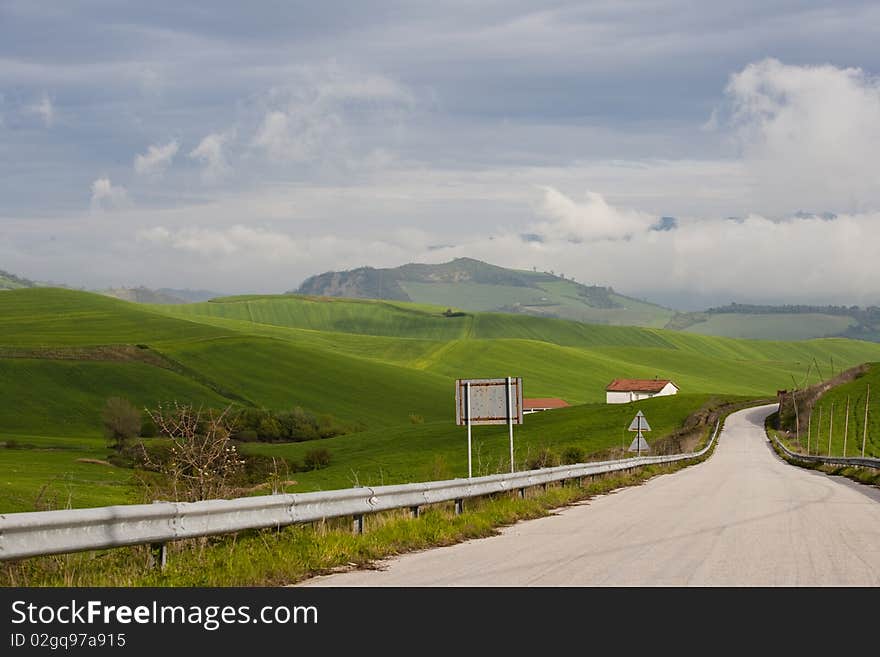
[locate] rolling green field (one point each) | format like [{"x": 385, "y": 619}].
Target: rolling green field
[
  {"x": 370, "y": 363},
  {"x": 554, "y": 298},
  {"x": 782, "y": 326}
]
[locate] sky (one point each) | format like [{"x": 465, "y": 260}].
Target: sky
[{"x": 242, "y": 147}]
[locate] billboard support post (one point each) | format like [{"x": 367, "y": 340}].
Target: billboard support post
[
  {"x": 467, "y": 405},
  {"x": 510, "y": 421},
  {"x": 489, "y": 401}
]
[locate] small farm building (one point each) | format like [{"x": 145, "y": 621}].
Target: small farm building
[
  {"x": 542, "y": 404},
  {"x": 623, "y": 391}
]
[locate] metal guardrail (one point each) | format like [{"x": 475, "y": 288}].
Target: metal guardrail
[
  {"x": 56, "y": 532},
  {"x": 828, "y": 460}
]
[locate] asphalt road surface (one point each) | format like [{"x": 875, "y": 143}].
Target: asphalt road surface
[{"x": 744, "y": 517}]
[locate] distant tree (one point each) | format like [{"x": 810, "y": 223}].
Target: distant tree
[{"x": 122, "y": 421}]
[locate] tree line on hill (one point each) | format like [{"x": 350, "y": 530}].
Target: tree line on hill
[{"x": 867, "y": 315}]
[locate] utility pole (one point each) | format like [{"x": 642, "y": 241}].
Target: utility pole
[
  {"x": 819, "y": 430},
  {"x": 846, "y": 426},
  {"x": 865, "y": 434}
]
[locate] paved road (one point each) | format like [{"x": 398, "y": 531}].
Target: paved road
[{"x": 743, "y": 517}]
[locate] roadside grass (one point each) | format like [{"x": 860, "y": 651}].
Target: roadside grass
[
  {"x": 856, "y": 391},
  {"x": 868, "y": 476},
  {"x": 275, "y": 557}
]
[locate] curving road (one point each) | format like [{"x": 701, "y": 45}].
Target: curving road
[{"x": 744, "y": 517}]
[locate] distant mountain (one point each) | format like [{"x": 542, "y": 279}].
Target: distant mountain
[
  {"x": 191, "y": 296},
  {"x": 165, "y": 295},
  {"x": 12, "y": 282},
  {"x": 469, "y": 284},
  {"x": 141, "y": 295}
]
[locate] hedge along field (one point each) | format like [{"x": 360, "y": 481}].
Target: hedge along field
[
  {"x": 439, "y": 450},
  {"x": 856, "y": 391}
]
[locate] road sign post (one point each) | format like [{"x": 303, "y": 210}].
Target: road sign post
[
  {"x": 489, "y": 401},
  {"x": 639, "y": 424},
  {"x": 467, "y": 388}
]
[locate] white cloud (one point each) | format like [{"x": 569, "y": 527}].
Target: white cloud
[
  {"x": 229, "y": 241},
  {"x": 594, "y": 219},
  {"x": 310, "y": 118},
  {"x": 810, "y": 135},
  {"x": 156, "y": 159},
  {"x": 106, "y": 196},
  {"x": 210, "y": 152},
  {"x": 44, "y": 109}
]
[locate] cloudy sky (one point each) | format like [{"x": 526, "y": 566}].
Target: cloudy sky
[{"x": 245, "y": 146}]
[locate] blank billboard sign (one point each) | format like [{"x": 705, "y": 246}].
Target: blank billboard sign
[{"x": 492, "y": 401}]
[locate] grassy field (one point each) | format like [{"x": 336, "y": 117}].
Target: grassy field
[
  {"x": 39, "y": 473},
  {"x": 282, "y": 374},
  {"x": 55, "y": 317},
  {"x": 856, "y": 392},
  {"x": 439, "y": 450},
  {"x": 368, "y": 363},
  {"x": 776, "y": 326},
  {"x": 65, "y": 398}
]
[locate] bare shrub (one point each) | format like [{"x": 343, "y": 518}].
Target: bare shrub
[{"x": 202, "y": 461}]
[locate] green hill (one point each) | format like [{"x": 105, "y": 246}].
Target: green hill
[
  {"x": 786, "y": 322},
  {"x": 373, "y": 364},
  {"x": 557, "y": 357},
  {"x": 478, "y": 286},
  {"x": 52, "y": 317}
]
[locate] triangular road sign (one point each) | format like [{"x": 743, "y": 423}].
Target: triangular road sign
[
  {"x": 639, "y": 423},
  {"x": 635, "y": 447}
]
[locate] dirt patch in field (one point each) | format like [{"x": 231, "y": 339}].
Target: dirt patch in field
[
  {"x": 95, "y": 462},
  {"x": 115, "y": 353}
]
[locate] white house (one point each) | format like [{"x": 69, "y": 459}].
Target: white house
[{"x": 623, "y": 391}]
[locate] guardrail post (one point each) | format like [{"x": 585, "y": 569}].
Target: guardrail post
[
  {"x": 522, "y": 493},
  {"x": 358, "y": 524},
  {"x": 158, "y": 555},
  {"x": 459, "y": 506},
  {"x": 415, "y": 511}
]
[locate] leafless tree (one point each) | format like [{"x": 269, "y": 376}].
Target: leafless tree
[{"x": 203, "y": 460}]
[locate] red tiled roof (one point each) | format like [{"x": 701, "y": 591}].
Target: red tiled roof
[
  {"x": 543, "y": 402},
  {"x": 638, "y": 385}
]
